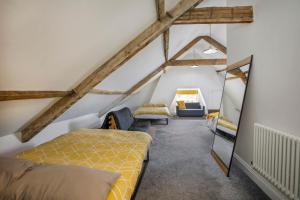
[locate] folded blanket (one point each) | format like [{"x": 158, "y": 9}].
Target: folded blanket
[
  {"x": 155, "y": 105},
  {"x": 152, "y": 111}
]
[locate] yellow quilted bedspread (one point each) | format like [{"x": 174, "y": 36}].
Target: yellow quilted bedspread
[
  {"x": 110, "y": 150},
  {"x": 152, "y": 111}
]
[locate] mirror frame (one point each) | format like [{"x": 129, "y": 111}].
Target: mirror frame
[{"x": 241, "y": 63}]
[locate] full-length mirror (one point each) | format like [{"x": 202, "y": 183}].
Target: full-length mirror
[{"x": 226, "y": 131}]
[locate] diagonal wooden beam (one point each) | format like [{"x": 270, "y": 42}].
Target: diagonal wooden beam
[
  {"x": 215, "y": 43},
  {"x": 146, "y": 79},
  {"x": 241, "y": 76},
  {"x": 208, "y": 39},
  {"x": 217, "y": 15},
  {"x": 18, "y": 95},
  {"x": 238, "y": 64},
  {"x": 197, "y": 62},
  {"x": 187, "y": 47},
  {"x": 138, "y": 43}
]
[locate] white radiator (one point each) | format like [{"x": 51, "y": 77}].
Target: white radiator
[{"x": 276, "y": 156}]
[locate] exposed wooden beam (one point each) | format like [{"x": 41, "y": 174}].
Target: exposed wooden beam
[
  {"x": 160, "y": 6},
  {"x": 241, "y": 76},
  {"x": 217, "y": 15},
  {"x": 208, "y": 39},
  {"x": 138, "y": 43},
  {"x": 145, "y": 80},
  {"x": 18, "y": 95},
  {"x": 187, "y": 47},
  {"x": 197, "y": 62},
  {"x": 21, "y": 95},
  {"x": 166, "y": 44},
  {"x": 232, "y": 78},
  {"x": 106, "y": 92},
  {"x": 236, "y": 65},
  {"x": 216, "y": 44}
]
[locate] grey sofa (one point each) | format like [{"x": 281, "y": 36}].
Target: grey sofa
[
  {"x": 192, "y": 110},
  {"x": 125, "y": 121}
]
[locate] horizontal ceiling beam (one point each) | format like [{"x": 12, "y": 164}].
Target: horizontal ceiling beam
[
  {"x": 103, "y": 71},
  {"x": 18, "y": 95},
  {"x": 31, "y": 94},
  {"x": 197, "y": 62},
  {"x": 106, "y": 92},
  {"x": 217, "y": 15}
]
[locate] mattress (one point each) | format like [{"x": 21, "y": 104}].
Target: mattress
[
  {"x": 149, "y": 116},
  {"x": 227, "y": 124},
  {"x": 152, "y": 111},
  {"x": 110, "y": 150},
  {"x": 227, "y": 130}
]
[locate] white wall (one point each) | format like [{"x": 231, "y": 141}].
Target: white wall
[
  {"x": 204, "y": 78},
  {"x": 141, "y": 97},
  {"x": 273, "y": 94},
  {"x": 10, "y": 144}
]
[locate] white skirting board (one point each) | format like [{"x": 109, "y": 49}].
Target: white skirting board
[{"x": 264, "y": 184}]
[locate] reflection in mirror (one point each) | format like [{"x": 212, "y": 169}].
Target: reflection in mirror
[{"x": 226, "y": 131}]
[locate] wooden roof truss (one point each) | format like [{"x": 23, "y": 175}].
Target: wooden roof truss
[{"x": 182, "y": 13}]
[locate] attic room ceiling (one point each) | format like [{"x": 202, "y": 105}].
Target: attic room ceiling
[{"x": 56, "y": 60}]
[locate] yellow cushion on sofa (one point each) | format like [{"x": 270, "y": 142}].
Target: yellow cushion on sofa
[{"x": 181, "y": 104}]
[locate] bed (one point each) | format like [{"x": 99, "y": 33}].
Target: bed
[
  {"x": 153, "y": 112},
  {"x": 226, "y": 127},
  {"x": 118, "y": 151}
]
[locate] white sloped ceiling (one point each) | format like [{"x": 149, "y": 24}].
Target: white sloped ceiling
[{"x": 53, "y": 45}]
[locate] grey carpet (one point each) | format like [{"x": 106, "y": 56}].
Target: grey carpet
[{"x": 181, "y": 167}]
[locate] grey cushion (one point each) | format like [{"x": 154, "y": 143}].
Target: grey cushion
[
  {"x": 140, "y": 126},
  {"x": 192, "y": 105},
  {"x": 124, "y": 118}
]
